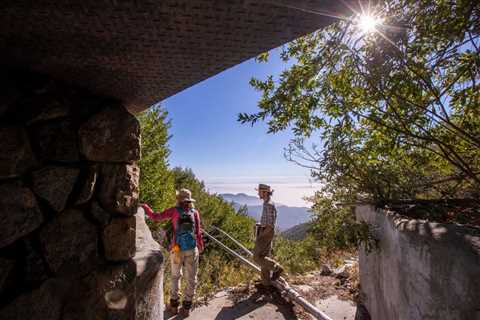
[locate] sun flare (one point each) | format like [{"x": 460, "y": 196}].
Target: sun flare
[{"x": 368, "y": 23}]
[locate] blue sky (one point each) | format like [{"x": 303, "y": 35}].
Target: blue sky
[{"x": 226, "y": 155}]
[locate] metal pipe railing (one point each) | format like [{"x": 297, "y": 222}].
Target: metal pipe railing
[
  {"x": 282, "y": 285},
  {"x": 241, "y": 246}
]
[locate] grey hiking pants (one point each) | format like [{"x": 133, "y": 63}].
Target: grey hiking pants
[
  {"x": 263, "y": 248},
  {"x": 189, "y": 263}
]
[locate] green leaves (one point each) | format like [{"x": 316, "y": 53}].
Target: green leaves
[
  {"x": 262, "y": 57},
  {"x": 394, "y": 110},
  {"x": 156, "y": 180}
]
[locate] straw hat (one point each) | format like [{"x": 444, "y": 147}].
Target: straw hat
[
  {"x": 264, "y": 187},
  {"x": 184, "y": 195}
]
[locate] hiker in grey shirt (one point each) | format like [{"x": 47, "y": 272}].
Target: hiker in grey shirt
[{"x": 271, "y": 270}]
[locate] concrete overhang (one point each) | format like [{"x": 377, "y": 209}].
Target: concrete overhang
[{"x": 141, "y": 52}]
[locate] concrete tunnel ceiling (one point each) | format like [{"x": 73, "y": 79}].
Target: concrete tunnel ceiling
[{"x": 141, "y": 52}]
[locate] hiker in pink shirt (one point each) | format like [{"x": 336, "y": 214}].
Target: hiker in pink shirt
[{"x": 185, "y": 246}]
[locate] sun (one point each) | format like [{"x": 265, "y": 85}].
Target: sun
[{"x": 368, "y": 23}]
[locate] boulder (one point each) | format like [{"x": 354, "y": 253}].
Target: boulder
[
  {"x": 88, "y": 186},
  {"x": 118, "y": 239},
  {"x": 112, "y": 135},
  {"x": 118, "y": 191},
  {"x": 56, "y": 141},
  {"x": 19, "y": 213},
  {"x": 42, "y": 303},
  {"x": 54, "y": 184},
  {"x": 16, "y": 156},
  {"x": 101, "y": 216},
  {"x": 70, "y": 243}
]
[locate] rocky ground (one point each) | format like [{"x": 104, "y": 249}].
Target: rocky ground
[{"x": 332, "y": 291}]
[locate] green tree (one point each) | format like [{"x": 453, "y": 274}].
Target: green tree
[
  {"x": 214, "y": 210},
  {"x": 156, "y": 180},
  {"x": 395, "y": 111}
]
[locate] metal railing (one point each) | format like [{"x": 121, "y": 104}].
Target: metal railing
[{"x": 281, "y": 284}]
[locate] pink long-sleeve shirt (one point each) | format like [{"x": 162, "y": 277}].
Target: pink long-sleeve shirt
[{"x": 174, "y": 215}]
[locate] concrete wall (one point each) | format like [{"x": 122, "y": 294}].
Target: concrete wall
[
  {"x": 70, "y": 234},
  {"x": 422, "y": 270}
]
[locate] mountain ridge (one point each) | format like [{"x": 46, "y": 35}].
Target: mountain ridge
[{"x": 287, "y": 216}]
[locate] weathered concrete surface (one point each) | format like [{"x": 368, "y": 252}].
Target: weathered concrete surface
[
  {"x": 221, "y": 307},
  {"x": 422, "y": 270},
  {"x": 336, "y": 308},
  {"x": 258, "y": 307},
  {"x": 149, "y": 262}
]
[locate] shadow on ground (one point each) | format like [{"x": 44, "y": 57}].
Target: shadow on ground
[{"x": 225, "y": 306}]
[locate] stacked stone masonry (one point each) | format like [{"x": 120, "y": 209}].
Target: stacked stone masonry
[{"x": 68, "y": 199}]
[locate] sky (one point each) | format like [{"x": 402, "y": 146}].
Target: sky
[{"x": 228, "y": 156}]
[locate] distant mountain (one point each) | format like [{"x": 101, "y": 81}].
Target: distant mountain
[
  {"x": 242, "y": 198},
  {"x": 298, "y": 232},
  {"x": 287, "y": 217}
]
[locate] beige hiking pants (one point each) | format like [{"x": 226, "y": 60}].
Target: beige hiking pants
[
  {"x": 263, "y": 248},
  {"x": 188, "y": 265}
]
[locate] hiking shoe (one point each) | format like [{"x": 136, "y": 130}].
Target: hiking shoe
[
  {"x": 185, "y": 309},
  {"x": 172, "y": 307},
  {"x": 184, "y": 312},
  {"x": 277, "y": 273}
]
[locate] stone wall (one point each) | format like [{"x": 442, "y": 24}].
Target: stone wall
[
  {"x": 422, "y": 270},
  {"x": 68, "y": 203}
]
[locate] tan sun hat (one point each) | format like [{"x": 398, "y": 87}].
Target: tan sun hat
[
  {"x": 264, "y": 187},
  {"x": 184, "y": 195}
]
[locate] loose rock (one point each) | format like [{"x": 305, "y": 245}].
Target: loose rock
[
  {"x": 112, "y": 135},
  {"x": 16, "y": 156},
  {"x": 54, "y": 184},
  {"x": 19, "y": 213},
  {"x": 70, "y": 243},
  {"x": 118, "y": 190}
]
